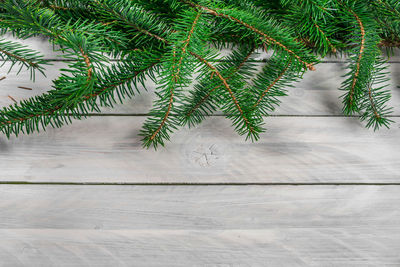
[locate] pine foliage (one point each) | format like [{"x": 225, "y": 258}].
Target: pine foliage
[
  {"x": 19, "y": 54},
  {"x": 177, "y": 43}
]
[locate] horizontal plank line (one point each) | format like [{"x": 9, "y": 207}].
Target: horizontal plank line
[{"x": 198, "y": 184}]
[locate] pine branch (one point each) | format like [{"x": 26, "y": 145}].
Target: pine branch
[
  {"x": 365, "y": 70},
  {"x": 169, "y": 41},
  {"x": 26, "y": 20},
  {"x": 272, "y": 64},
  {"x": 391, "y": 7},
  {"x": 290, "y": 48},
  {"x": 71, "y": 89},
  {"x": 51, "y": 109},
  {"x": 313, "y": 22},
  {"x": 271, "y": 83},
  {"x": 374, "y": 102},
  {"x": 190, "y": 34},
  {"x": 245, "y": 122},
  {"x": 204, "y": 99},
  {"x": 20, "y": 54},
  {"x": 358, "y": 63},
  {"x": 134, "y": 19}
]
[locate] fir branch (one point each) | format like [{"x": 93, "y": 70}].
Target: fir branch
[
  {"x": 366, "y": 70},
  {"x": 176, "y": 73},
  {"x": 23, "y": 60},
  {"x": 264, "y": 35},
  {"x": 374, "y": 102},
  {"x": 20, "y": 54},
  {"x": 324, "y": 36},
  {"x": 225, "y": 83},
  {"x": 312, "y": 22},
  {"x": 208, "y": 94},
  {"x": 32, "y": 112},
  {"x": 170, "y": 40},
  {"x": 383, "y": 4},
  {"x": 252, "y": 129},
  {"x": 272, "y": 82},
  {"x": 130, "y": 15},
  {"x": 266, "y": 91},
  {"x": 206, "y": 97},
  {"x": 176, "y": 76},
  {"x": 360, "y": 55}
]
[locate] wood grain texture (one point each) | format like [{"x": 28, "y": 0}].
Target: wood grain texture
[
  {"x": 202, "y": 225},
  {"x": 294, "y": 149},
  {"x": 199, "y": 225},
  {"x": 275, "y": 247}
]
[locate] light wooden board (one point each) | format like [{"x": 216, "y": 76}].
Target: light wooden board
[
  {"x": 316, "y": 94},
  {"x": 199, "y": 226},
  {"x": 207, "y": 223},
  {"x": 294, "y": 149},
  {"x": 274, "y": 247}
]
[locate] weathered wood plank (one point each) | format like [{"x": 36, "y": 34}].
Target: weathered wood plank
[
  {"x": 294, "y": 149},
  {"x": 199, "y": 225},
  {"x": 364, "y": 246},
  {"x": 116, "y": 207},
  {"x": 316, "y": 94}
]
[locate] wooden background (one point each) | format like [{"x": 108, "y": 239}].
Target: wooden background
[{"x": 318, "y": 189}]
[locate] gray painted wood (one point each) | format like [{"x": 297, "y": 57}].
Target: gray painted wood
[
  {"x": 116, "y": 207},
  {"x": 294, "y": 149},
  {"x": 199, "y": 225},
  {"x": 274, "y": 247},
  {"x": 316, "y": 94}
]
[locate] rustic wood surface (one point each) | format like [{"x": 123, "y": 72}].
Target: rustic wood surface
[
  {"x": 64, "y": 225},
  {"x": 107, "y": 149},
  {"x": 318, "y": 189}
]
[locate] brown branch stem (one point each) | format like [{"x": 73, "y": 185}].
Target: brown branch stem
[
  {"x": 362, "y": 47},
  {"x": 188, "y": 114},
  {"x": 30, "y": 63},
  {"x": 254, "y": 29},
  {"x": 175, "y": 76},
  {"x": 85, "y": 98},
  {"x": 272, "y": 85},
  {"x": 224, "y": 81},
  {"x": 371, "y": 99}
]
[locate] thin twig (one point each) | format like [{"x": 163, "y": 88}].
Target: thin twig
[{"x": 25, "y": 88}]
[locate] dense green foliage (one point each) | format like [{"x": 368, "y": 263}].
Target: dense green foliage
[{"x": 170, "y": 40}]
